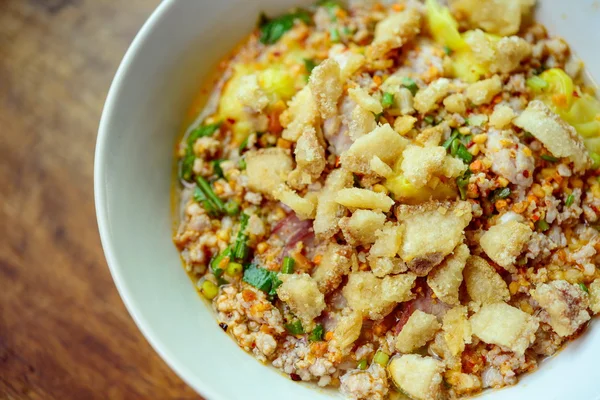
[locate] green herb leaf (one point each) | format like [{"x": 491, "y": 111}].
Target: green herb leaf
[
  {"x": 317, "y": 334},
  {"x": 309, "y": 65},
  {"x": 583, "y": 287},
  {"x": 217, "y": 203},
  {"x": 186, "y": 166},
  {"x": 295, "y": 328},
  {"x": 271, "y": 30},
  {"x": 232, "y": 208},
  {"x": 387, "y": 100},
  {"x": 411, "y": 85},
  {"x": 569, "y": 201},
  {"x": 447, "y": 50},
  {"x": 463, "y": 153},
  {"x": 500, "y": 194},
  {"x": 262, "y": 279},
  {"x": 201, "y": 198},
  {"x": 331, "y": 7},
  {"x": 428, "y": 119},
  {"x": 549, "y": 158},
  {"x": 288, "y": 265},
  {"x": 541, "y": 225},
  {"x": 242, "y": 164}
]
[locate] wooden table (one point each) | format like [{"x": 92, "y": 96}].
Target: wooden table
[{"x": 64, "y": 332}]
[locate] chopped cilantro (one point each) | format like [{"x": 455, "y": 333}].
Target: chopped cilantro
[
  {"x": 569, "y": 201},
  {"x": 317, "y": 334},
  {"x": 295, "y": 328},
  {"x": 411, "y": 85},
  {"x": 309, "y": 65},
  {"x": 262, "y": 279},
  {"x": 462, "y": 182},
  {"x": 271, "y": 30}
]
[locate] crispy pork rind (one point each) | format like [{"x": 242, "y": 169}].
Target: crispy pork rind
[
  {"x": 418, "y": 330},
  {"x": 457, "y": 329},
  {"x": 329, "y": 211},
  {"x": 456, "y": 103},
  {"x": 504, "y": 325},
  {"x": 565, "y": 306},
  {"x": 502, "y": 116},
  {"x": 503, "y": 243},
  {"x": 310, "y": 159},
  {"x": 484, "y": 91},
  {"x": 427, "y": 99},
  {"x": 349, "y": 62},
  {"x": 431, "y": 231},
  {"x": 560, "y": 138},
  {"x": 595, "y": 296},
  {"x": 354, "y": 198},
  {"x": 267, "y": 169},
  {"x": 326, "y": 85},
  {"x": 394, "y": 31},
  {"x": 302, "y": 114},
  {"x": 484, "y": 284},
  {"x": 420, "y": 164},
  {"x": 251, "y": 95},
  {"x": 304, "y": 208},
  {"x": 301, "y": 293},
  {"x": 445, "y": 279},
  {"x": 360, "y": 228},
  {"x": 404, "y": 124},
  {"x": 419, "y": 377},
  {"x": 364, "y": 100},
  {"x": 502, "y": 17},
  {"x": 347, "y": 330},
  {"x": 336, "y": 263},
  {"x": 380, "y": 168},
  {"x": 503, "y": 56},
  {"x": 362, "y": 121},
  {"x": 382, "y": 142},
  {"x": 383, "y": 255},
  {"x": 374, "y": 297}
]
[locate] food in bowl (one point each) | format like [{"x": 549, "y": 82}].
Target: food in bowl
[{"x": 397, "y": 198}]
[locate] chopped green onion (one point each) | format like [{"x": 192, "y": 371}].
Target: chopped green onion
[
  {"x": 187, "y": 165},
  {"x": 215, "y": 264},
  {"x": 447, "y": 50},
  {"x": 202, "y": 131},
  {"x": 583, "y": 287},
  {"x": 309, "y": 65},
  {"x": 500, "y": 194},
  {"x": 232, "y": 208},
  {"x": 595, "y": 160},
  {"x": 549, "y": 158},
  {"x": 217, "y": 168},
  {"x": 209, "y": 290},
  {"x": 288, "y": 265},
  {"x": 464, "y": 154},
  {"x": 527, "y": 135},
  {"x": 541, "y": 225},
  {"x": 262, "y": 279},
  {"x": 234, "y": 269},
  {"x": 381, "y": 358},
  {"x": 569, "y": 201},
  {"x": 411, "y": 85},
  {"x": 454, "y": 147},
  {"x": 317, "y": 334},
  {"x": 448, "y": 142},
  {"x": 362, "y": 364},
  {"x": 242, "y": 164},
  {"x": 241, "y": 249},
  {"x": 271, "y": 30},
  {"x": 463, "y": 182},
  {"x": 201, "y": 198},
  {"x": 536, "y": 83},
  {"x": 466, "y": 139},
  {"x": 428, "y": 119},
  {"x": 211, "y": 196},
  {"x": 295, "y": 328},
  {"x": 334, "y": 35},
  {"x": 244, "y": 144},
  {"x": 387, "y": 100}
]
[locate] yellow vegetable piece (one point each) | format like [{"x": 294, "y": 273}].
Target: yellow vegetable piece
[
  {"x": 230, "y": 106},
  {"x": 466, "y": 67},
  {"x": 559, "y": 84},
  {"x": 409, "y": 194},
  {"x": 277, "y": 82},
  {"x": 443, "y": 26}
]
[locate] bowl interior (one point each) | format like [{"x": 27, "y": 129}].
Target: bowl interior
[{"x": 178, "y": 46}]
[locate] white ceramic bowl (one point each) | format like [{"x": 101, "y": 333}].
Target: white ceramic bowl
[{"x": 178, "y": 46}]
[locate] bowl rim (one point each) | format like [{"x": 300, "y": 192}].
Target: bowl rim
[{"x": 197, "y": 383}]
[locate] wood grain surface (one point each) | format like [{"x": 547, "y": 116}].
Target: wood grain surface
[{"x": 64, "y": 332}]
